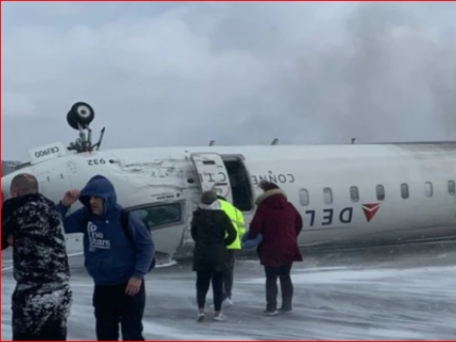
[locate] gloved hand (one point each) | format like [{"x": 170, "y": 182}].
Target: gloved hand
[{"x": 248, "y": 244}]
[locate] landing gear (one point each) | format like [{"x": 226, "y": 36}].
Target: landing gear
[
  {"x": 79, "y": 118},
  {"x": 80, "y": 113}
]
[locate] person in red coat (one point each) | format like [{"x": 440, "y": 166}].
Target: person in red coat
[{"x": 280, "y": 223}]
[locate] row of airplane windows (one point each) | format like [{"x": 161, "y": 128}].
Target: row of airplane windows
[{"x": 354, "y": 193}]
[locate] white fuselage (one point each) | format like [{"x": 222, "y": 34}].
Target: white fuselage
[{"x": 406, "y": 190}]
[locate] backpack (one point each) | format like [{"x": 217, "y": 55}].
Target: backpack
[{"x": 124, "y": 217}]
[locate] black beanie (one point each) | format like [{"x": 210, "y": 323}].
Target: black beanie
[{"x": 208, "y": 197}]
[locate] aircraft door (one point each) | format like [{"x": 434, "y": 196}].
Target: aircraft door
[{"x": 212, "y": 173}]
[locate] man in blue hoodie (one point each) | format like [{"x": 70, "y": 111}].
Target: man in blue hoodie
[{"x": 116, "y": 263}]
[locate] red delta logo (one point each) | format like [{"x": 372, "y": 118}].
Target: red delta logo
[{"x": 370, "y": 210}]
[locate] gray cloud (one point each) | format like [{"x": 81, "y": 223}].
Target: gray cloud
[{"x": 239, "y": 73}]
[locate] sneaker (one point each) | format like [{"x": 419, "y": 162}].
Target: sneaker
[
  {"x": 219, "y": 317},
  {"x": 285, "y": 311},
  {"x": 227, "y": 303},
  {"x": 201, "y": 317},
  {"x": 270, "y": 312}
]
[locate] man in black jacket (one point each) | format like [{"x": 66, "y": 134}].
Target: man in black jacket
[
  {"x": 42, "y": 299},
  {"x": 212, "y": 232}
]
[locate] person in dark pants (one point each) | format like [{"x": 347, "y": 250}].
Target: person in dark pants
[
  {"x": 283, "y": 274},
  {"x": 228, "y": 278},
  {"x": 42, "y": 299},
  {"x": 129, "y": 310},
  {"x": 212, "y": 231},
  {"x": 237, "y": 219},
  {"x": 280, "y": 224},
  {"x": 117, "y": 263}
]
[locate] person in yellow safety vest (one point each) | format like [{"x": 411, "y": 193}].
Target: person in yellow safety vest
[{"x": 237, "y": 218}]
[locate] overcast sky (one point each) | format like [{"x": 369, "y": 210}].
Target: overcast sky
[{"x": 239, "y": 73}]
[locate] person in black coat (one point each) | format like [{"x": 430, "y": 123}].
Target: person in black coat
[
  {"x": 212, "y": 232},
  {"x": 42, "y": 298}
]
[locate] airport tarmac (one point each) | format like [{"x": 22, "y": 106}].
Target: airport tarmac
[{"x": 400, "y": 292}]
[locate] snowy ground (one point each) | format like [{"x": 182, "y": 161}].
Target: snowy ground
[{"x": 385, "y": 293}]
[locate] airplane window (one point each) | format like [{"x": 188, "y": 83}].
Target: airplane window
[
  {"x": 304, "y": 197},
  {"x": 354, "y": 194},
  {"x": 451, "y": 188},
  {"x": 327, "y": 195},
  {"x": 159, "y": 215},
  {"x": 429, "y": 191},
  {"x": 404, "y": 190},
  {"x": 142, "y": 213},
  {"x": 380, "y": 192}
]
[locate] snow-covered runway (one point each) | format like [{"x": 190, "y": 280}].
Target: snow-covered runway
[{"x": 390, "y": 293}]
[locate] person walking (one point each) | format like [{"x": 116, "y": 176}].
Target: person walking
[
  {"x": 237, "y": 219},
  {"x": 212, "y": 231},
  {"x": 42, "y": 299},
  {"x": 119, "y": 251},
  {"x": 280, "y": 224}
]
